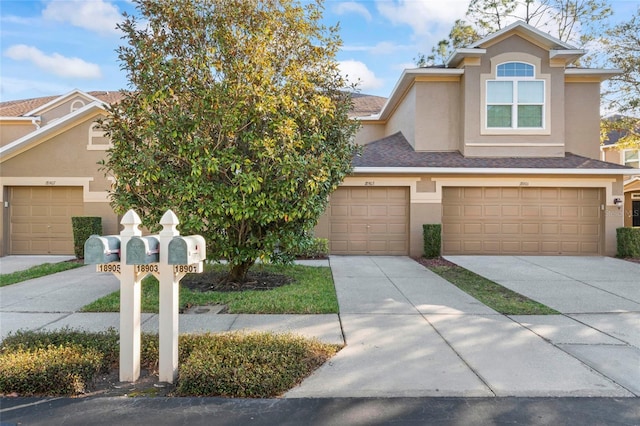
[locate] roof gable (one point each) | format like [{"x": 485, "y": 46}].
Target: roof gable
[
  {"x": 61, "y": 100},
  {"x": 46, "y": 132}
]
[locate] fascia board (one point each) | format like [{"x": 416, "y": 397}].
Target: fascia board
[
  {"x": 10, "y": 150},
  {"x": 506, "y": 171},
  {"x": 532, "y": 31},
  {"x": 61, "y": 99}
]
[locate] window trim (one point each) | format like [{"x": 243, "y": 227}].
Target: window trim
[
  {"x": 95, "y": 133},
  {"x": 538, "y": 76},
  {"x": 635, "y": 161}
]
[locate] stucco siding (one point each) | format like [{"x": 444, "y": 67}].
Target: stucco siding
[
  {"x": 437, "y": 123},
  {"x": 404, "y": 117},
  {"x": 547, "y": 142},
  {"x": 583, "y": 119}
]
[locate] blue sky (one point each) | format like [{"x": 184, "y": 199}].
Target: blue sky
[{"x": 50, "y": 47}]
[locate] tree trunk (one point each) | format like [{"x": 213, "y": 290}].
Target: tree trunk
[{"x": 238, "y": 273}]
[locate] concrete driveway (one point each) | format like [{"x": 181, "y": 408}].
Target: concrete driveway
[{"x": 568, "y": 284}]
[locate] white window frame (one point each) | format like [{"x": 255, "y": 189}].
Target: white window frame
[
  {"x": 633, "y": 163},
  {"x": 528, "y": 59}
]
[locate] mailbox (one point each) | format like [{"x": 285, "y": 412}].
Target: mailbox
[
  {"x": 187, "y": 250},
  {"x": 143, "y": 250},
  {"x": 99, "y": 249}
]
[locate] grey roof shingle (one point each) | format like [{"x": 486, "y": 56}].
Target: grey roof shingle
[{"x": 395, "y": 151}]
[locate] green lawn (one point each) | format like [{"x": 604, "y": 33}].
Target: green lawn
[
  {"x": 36, "y": 272},
  {"x": 495, "y": 296},
  {"x": 312, "y": 292}
]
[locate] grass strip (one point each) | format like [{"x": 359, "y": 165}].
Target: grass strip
[
  {"x": 312, "y": 292},
  {"x": 495, "y": 296},
  {"x": 36, "y": 272}
]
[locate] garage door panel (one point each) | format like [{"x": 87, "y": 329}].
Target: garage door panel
[
  {"x": 376, "y": 220},
  {"x": 40, "y": 219},
  {"x": 547, "y": 221}
]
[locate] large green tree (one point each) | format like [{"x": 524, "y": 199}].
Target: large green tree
[
  {"x": 577, "y": 22},
  {"x": 623, "y": 91},
  {"x": 236, "y": 119}
]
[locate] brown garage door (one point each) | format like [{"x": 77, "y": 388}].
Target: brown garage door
[
  {"x": 40, "y": 219},
  {"x": 373, "y": 221},
  {"x": 528, "y": 221}
]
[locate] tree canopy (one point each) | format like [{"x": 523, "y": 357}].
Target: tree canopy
[
  {"x": 236, "y": 119},
  {"x": 623, "y": 91}
]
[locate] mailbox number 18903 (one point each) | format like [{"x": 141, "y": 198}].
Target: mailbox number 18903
[{"x": 147, "y": 268}]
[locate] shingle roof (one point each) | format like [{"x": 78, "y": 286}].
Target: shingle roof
[
  {"x": 395, "y": 151},
  {"x": 363, "y": 105},
  {"x": 19, "y": 107}
]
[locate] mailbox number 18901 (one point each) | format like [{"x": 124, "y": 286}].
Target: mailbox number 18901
[{"x": 189, "y": 269}]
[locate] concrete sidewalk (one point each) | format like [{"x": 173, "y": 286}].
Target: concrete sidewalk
[{"x": 408, "y": 333}]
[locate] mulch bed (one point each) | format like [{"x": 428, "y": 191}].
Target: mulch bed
[
  {"x": 434, "y": 261},
  {"x": 217, "y": 281}
]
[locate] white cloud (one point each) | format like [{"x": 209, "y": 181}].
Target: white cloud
[
  {"x": 94, "y": 15},
  {"x": 423, "y": 15},
  {"x": 55, "y": 63},
  {"x": 357, "y": 72},
  {"x": 345, "y": 7},
  {"x": 16, "y": 88},
  {"x": 382, "y": 48}
]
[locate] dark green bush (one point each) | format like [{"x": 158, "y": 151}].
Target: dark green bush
[
  {"x": 432, "y": 238},
  {"x": 54, "y": 370},
  {"x": 256, "y": 365},
  {"x": 628, "y": 242},
  {"x": 83, "y": 228}
]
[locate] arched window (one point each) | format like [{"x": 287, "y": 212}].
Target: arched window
[
  {"x": 515, "y": 98},
  {"x": 76, "y": 105}
]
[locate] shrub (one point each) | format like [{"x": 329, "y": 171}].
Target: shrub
[
  {"x": 83, "y": 228},
  {"x": 105, "y": 343},
  {"x": 54, "y": 370},
  {"x": 432, "y": 238},
  {"x": 628, "y": 242},
  {"x": 256, "y": 365}
]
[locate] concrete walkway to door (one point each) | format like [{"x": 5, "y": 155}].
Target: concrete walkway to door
[{"x": 411, "y": 333}]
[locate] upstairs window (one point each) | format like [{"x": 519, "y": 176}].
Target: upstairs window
[
  {"x": 632, "y": 158},
  {"x": 515, "y": 98}
]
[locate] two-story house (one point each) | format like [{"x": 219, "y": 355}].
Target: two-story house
[
  {"x": 500, "y": 146},
  {"x": 614, "y": 152}
]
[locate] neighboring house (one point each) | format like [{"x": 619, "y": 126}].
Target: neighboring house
[
  {"x": 500, "y": 146},
  {"x": 49, "y": 172},
  {"x": 610, "y": 151}
]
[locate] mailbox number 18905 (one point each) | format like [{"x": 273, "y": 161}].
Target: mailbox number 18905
[{"x": 108, "y": 267}]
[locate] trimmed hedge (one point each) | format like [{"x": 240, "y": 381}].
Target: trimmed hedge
[
  {"x": 83, "y": 228},
  {"x": 54, "y": 370},
  {"x": 432, "y": 236},
  {"x": 628, "y": 242},
  {"x": 255, "y": 365}
]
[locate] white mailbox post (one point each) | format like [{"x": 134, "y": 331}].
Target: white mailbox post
[{"x": 131, "y": 257}]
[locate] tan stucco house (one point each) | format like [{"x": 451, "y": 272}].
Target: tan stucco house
[
  {"x": 614, "y": 152},
  {"x": 500, "y": 146}
]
